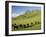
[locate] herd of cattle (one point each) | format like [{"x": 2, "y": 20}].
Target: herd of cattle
[{"x": 15, "y": 26}]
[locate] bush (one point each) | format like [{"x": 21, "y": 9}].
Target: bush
[
  {"x": 20, "y": 25},
  {"x": 24, "y": 26},
  {"x": 36, "y": 22},
  {"x": 39, "y": 22}
]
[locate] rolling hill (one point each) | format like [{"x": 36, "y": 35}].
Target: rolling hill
[{"x": 29, "y": 16}]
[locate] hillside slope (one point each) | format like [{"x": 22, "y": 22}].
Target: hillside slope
[{"x": 28, "y": 17}]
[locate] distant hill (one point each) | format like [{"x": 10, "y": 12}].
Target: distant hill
[{"x": 28, "y": 14}]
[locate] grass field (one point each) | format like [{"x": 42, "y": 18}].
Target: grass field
[{"x": 28, "y": 18}]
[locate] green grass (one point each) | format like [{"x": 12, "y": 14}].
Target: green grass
[{"x": 27, "y": 18}]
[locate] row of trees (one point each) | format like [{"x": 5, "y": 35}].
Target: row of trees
[{"x": 15, "y": 26}]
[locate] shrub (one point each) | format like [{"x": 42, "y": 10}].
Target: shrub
[
  {"x": 24, "y": 26},
  {"x": 15, "y": 24},
  {"x": 27, "y": 25},
  {"x": 20, "y": 25}
]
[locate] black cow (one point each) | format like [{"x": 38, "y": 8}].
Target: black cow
[
  {"x": 15, "y": 26},
  {"x": 12, "y": 27}
]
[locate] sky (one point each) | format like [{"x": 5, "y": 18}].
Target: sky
[{"x": 19, "y": 10}]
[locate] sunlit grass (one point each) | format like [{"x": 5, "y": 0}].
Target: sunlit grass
[{"x": 27, "y": 19}]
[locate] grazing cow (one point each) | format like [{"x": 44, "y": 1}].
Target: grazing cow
[
  {"x": 16, "y": 26},
  {"x": 12, "y": 27}
]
